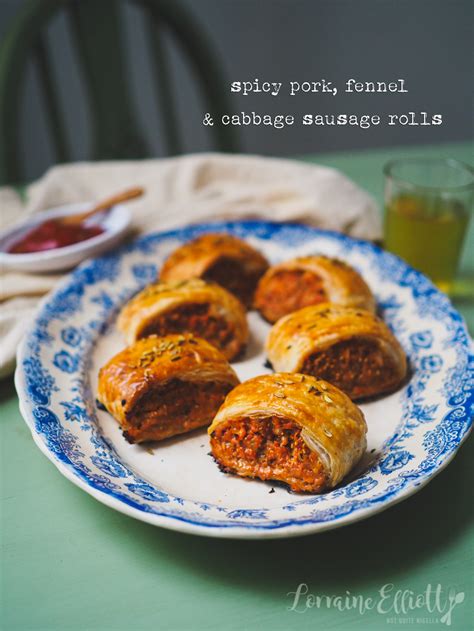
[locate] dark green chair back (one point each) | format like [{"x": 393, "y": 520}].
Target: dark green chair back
[{"x": 95, "y": 27}]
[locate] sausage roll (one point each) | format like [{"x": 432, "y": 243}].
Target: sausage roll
[
  {"x": 193, "y": 306},
  {"x": 352, "y": 348},
  {"x": 221, "y": 258},
  {"x": 291, "y": 428},
  {"x": 163, "y": 386},
  {"x": 310, "y": 280}
]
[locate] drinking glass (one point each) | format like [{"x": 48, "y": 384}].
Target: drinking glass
[{"x": 428, "y": 203}]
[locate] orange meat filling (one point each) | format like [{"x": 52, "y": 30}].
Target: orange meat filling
[
  {"x": 288, "y": 291},
  {"x": 196, "y": 319},
  {"x": 270, "y": 449},
  {"x": 174, "y": 408},
  {"x": 357, "y": 366}
]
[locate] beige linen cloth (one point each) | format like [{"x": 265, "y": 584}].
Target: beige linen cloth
[{"x": 181, "y": 190}]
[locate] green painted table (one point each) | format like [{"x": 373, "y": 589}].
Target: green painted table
[{"x": 70, "y": 563}]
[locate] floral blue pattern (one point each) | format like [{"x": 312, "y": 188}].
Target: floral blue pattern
[
  {"x": 66, "y": 362},
  {"x": 422, "y": 339},
  {"x": 360, "y": 486},
  {"x": 148, "y": 492},
  {"x": 145, "y": 273},
  {"x": 394, "y": 461},
  {"x": 40, "y": 382},
  {"x": 71, "y": 336},
  {"x": 436, "y": 405}
]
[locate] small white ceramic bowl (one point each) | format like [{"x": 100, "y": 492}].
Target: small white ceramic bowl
[{"x": 115, "y": 224}]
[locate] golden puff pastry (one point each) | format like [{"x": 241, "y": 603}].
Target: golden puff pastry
[
  {"x": 192, "y": 306},
  {"x": 310, "y": 280},
  {"x": 291, "y": 428},
  {"x": 352, "y": 348},
  {"x": 221, "y": 258},
  {"x": 163, "y": 386}
]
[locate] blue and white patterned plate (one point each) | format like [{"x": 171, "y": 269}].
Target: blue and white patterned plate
[{"x": 413, "y": 433}]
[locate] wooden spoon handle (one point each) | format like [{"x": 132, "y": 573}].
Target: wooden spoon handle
[{"x": 125, "y": 196}]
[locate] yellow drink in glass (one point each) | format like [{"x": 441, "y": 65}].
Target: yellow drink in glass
[
  {"x": 428, "y": 206},
  {"x": 430, "y": 240}
]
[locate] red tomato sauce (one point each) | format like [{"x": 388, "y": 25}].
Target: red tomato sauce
[{"x": 52, "y": 234}]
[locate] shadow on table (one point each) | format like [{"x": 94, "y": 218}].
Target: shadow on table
[
  {"x": 374, "y": 551},
  {"x": 7, "y": 388}
]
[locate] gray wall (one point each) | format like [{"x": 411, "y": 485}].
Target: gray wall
[{"x": 427, "y": 42}]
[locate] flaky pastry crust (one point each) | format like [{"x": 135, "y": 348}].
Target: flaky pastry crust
[
  {"x": 331, "y": 424},
  {"x": 339, "y": 284},
  {"x": 160, "y": 300},
  {"x": 154, "y": 362},
  {"x": 314, "y": 330},
  {"x": 204, "y": 255}
]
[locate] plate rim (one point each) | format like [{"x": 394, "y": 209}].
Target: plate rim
[
  {"x": 234, "y": 532},
  {"x": 187, "y": 525}
]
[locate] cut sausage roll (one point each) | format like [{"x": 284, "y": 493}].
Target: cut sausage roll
[
  {"x": 310, "y": 280},
  {"x": 290, "y": 428},
  {"x": 352, "y": 348},
  {"x": 163, "y": 386},
  {"x": 193, "y": 306},
  {"x": 221, "y": 258}
]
